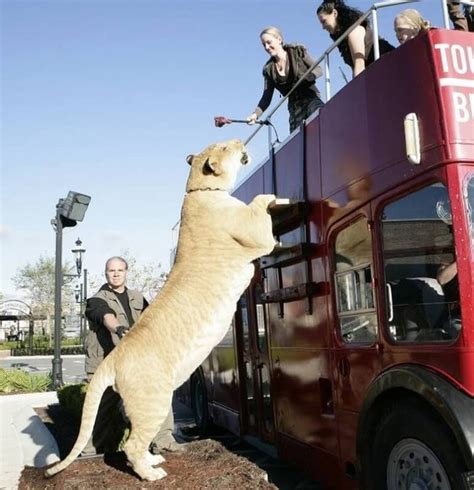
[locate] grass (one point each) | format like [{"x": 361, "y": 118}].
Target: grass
[
  {"x": 39, "y": 342},
  {"x": 18, "y": 381}
]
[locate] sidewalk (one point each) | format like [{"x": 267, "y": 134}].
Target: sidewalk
[{"x": 24, "y": 439}]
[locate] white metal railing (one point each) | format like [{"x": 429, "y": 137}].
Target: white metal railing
[{"x": 372, "y": 12}]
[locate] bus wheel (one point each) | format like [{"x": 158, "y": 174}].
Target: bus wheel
[
  {"x": 199, "y": 404},
  {"x": 414, "y": 449}
]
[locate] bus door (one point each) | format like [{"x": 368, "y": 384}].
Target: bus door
[
  {"x": 356, "y": 352},
  {"x": 255, "y": 367}
]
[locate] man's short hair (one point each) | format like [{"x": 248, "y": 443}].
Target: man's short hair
[{"x": 116, "y": 257}]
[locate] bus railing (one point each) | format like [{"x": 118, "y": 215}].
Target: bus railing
[{"x": 324, "y": 58}]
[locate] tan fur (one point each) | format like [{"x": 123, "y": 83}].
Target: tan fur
[{"x": 219, "y": 238}]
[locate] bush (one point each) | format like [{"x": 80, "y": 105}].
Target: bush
[
  {"x": 71, "y": 341},
  {"x": 18, "y": 381},
  {"x": 71, "y": 398},
  {"x": 8, "y": 345}
]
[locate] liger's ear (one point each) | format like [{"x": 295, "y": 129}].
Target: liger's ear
[
  {"x": 189, "y": 159},
  {"x": 211, "y": 168}
]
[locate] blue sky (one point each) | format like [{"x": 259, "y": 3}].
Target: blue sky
[{"x": 108, "y": 97}]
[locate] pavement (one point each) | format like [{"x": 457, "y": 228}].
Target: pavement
[{"x": 24, "y": 439}]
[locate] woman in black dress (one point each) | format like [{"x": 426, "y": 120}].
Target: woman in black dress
[{"x": 357, "y": 49}]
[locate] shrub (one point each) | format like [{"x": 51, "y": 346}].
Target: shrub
[
  {"x": 71, "y": 397},
  {"x": 8, "y": 345},
  {"x": 18, "y": 381}
]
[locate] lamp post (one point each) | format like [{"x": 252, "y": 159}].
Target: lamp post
[
  {"x": 78, "y": 297},
  {"x": 81, "y": 290},
  {"x": 68, "y": 212},
  {"x": 78, "y": 251}
]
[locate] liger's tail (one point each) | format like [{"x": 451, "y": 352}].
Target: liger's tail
[{"x": 103, "y": 378}]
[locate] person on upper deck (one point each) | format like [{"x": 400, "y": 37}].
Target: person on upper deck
[
  {"x": 461, "y": 16},
  {"x": 287, "y": 64},
  {"x": 357, "y": 49},
  {"x": 408, "y": 24}
]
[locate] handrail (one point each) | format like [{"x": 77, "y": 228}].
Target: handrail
[{"x": 325, "y": 56}]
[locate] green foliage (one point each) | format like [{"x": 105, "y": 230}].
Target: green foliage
[
  {"x": 8, "y": 345},
  {"x": 18, "y": 381},
  {"x": 147, "y": 278},
  {"x": 39, "y": 342},
  {"x": 73, "y": 341},
  {"x": 37, "y": 280},
  {"x": 71, "y": 397}
]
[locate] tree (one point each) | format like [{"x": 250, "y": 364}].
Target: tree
[
  {"x": 146, "y": 278},
  {"x": 38, "y": 282}
]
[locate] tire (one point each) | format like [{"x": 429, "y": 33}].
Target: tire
[
  {"x": 413, "y": 448},
  {"x": 199, "y": 404}
]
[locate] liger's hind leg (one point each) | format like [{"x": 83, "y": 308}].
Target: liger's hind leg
[{"x": 146, "y": 422}]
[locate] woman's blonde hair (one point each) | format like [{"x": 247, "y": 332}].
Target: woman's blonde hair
[
  {"x": 273, "y": 31},
  {"x": 414, "y": 19}
]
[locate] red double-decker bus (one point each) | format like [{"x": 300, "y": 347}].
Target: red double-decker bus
[{"x": 351, "y": 354}]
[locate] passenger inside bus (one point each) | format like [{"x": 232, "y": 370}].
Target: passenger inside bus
[
  {"x": 287, "y": 64},
  {"x": 448, "y": 279},
  {"x": 408, "y": 24},
  {"x": 420, "y": 273},
  {"x": 357, "y": 49}
]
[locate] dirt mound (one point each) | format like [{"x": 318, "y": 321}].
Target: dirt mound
[{"x": 205, "y": 464}]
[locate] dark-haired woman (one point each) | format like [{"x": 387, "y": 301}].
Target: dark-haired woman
[{"x": 357, "y": 49}]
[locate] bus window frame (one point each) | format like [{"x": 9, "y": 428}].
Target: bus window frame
[
  {"x": 363, "y": 212},
  {"x": 436, "y": 176}
]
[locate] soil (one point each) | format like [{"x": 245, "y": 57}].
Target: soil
[{"x": 205, "y": 464}]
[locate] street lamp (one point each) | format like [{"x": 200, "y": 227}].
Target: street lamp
[
  {"x": 81, "y": 291},
  {"x": 68, "y": 212},
  {"x": 78, "y": 293},
  {"x": 78, "y": 251}
]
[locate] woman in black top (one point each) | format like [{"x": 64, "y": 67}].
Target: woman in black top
[
  {"x": 287, "y": 63},
  {"x": 357, "y": 49}
]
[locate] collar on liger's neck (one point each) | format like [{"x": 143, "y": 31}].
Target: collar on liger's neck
[{"x": 206, "y": 189}]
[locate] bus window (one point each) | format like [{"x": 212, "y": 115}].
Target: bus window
[
  {"x": 245, "y": 321},
  {"x": 417, "y": 246},
  {"x": 260, "y": 313},
  {"x": 353, "y": 280},
  {"x": 468, "y": 192}
]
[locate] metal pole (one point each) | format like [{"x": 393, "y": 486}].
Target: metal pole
[
  {"x": 444, "y": 9},
  {"x": 84, "y": 297},
  {"x": 57, "y": 374},
  {"x": 375, "y": 33},
  {"x": 31, "y": 327},
  {"x": 327, "y": 77},
  {"x": 269, "y": 135},
  {"x": 80, "y": 314}
]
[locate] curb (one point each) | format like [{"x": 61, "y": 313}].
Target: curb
[{"x": 25, "y": 440}]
